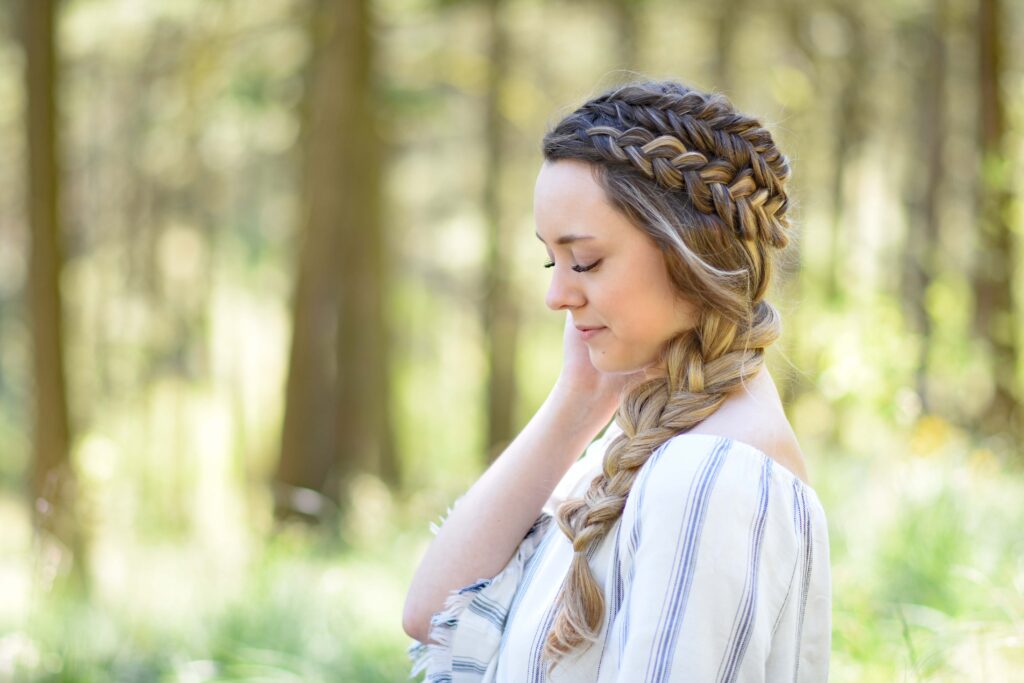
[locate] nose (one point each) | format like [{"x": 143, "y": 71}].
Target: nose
[{"x": 563, "y": 293}]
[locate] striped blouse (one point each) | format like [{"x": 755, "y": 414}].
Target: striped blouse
[{"x": 717, "y": 570}]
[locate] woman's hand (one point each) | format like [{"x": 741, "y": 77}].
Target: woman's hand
[{"x": 584, "y": 384}]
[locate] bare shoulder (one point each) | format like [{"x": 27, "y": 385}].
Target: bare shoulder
[{"x": 754, "y": 415}]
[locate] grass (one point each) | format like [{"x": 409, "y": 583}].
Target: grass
[
  {"x": 927, "y": 551},
  {"x": 297, "y": 608}
]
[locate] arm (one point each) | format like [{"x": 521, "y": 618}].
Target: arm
[
  {"x": 490, "y": 520},
  {"x": 488, "y": 523}
]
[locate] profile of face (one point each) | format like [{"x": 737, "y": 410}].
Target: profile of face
[{"x": 607, "y": 273}]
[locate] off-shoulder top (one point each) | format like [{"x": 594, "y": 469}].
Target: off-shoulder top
[{"x": 717, "y": 570}]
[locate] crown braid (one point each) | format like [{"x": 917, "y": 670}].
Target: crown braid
[
  {"x": 726, "y": 162},
  {"x": 725, "y": 180}
]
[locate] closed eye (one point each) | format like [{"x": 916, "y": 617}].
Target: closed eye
[{"x": 577, "y": 268}]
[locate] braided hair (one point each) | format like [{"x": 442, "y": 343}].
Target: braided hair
[{"x": 707, "y": 185}]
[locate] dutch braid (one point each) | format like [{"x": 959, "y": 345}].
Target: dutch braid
[{"x": 708, "y": 185}]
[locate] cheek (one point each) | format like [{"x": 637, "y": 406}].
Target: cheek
[{"x": 637, "y": 299}]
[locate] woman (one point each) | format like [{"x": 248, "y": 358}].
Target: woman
[{"x": 687, "y": 543}]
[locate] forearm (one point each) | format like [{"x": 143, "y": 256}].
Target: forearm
[{"x": 488, "y": 523}]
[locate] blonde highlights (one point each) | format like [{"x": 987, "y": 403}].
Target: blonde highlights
[{"x": 707, "y": 185}]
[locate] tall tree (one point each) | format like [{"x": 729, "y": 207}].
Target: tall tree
[
  {"x": 336, "y": 420},
  {"x": 925, "y": 180},
  {"x": 305, "y": 467},
  {"x": 365, "y": 437},
  {"x": 994, "y": 314},
  {"x": 501, "y": 316},
  {"x": 848, "y": 132},
  {"x": 53, "y": 486}
]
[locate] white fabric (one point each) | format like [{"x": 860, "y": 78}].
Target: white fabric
[{"x": 718, "y": 570}]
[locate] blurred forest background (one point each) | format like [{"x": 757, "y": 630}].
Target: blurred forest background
[{"x": 270, "y": 300}]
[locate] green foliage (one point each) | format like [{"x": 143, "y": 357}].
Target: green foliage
[
  {"x": 925, "y": 543},
  {"x": 920, "y": 554},
  {"x": 183, "y": 194},
  {"x": 301, "y": 612}
]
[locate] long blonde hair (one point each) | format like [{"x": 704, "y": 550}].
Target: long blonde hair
[{"x": 707, "y": 184}]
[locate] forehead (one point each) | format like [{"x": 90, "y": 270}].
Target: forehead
[
  {"x": 568, "y": 199},
  {"x": 566, "y": 183}
]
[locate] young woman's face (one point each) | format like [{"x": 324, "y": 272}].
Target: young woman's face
[{"x": 609, "y": 275}]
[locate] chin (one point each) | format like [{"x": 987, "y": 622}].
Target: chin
[
  {"x": 601, "y": 362},
  {"x": 614, "y": 366}
]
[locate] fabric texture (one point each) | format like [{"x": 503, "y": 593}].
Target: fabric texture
[{"x": 718, "y": 570}]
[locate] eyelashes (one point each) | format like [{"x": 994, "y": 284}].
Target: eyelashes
[{"x": 578, "y": 269}]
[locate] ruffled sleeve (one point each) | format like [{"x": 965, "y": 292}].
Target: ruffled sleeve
[{"x": 467, "y": 630}]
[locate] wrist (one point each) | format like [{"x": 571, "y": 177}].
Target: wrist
[{"x": 589, "y": 406}]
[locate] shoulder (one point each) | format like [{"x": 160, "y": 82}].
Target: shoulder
[
  {"x": 715, "y": 480},
  {"x": 708, "y": 462},
  {"x": 754, "y": 417},
  {"x": 720, "y": 531},
  {"x": 726, "y": 512}
]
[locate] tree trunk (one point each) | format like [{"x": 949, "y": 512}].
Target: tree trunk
[
  {"x": 336, "y": 417},
  {"x": 500, "y": 311},
  {"x": 995, "y": 317},
  {"x": 305, "y": 481},
  {"x": 365, "y": 438},
  {"x": 848, "y": 136},
  {"x": 924, "y": 185},
  {"x": 53, "y": 486}
]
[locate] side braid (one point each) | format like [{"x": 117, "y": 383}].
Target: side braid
[{"x": 725, "y": 204}]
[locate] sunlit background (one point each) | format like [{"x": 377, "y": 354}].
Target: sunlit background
[{"x": 270, "y": 300}]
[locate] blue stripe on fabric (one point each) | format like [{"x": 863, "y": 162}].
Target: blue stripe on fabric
[
  {"x": 489, "y": 610},
  {"x": 535, "y": 673},
  {"x": 797, "y": 524},
  {"x": 785, "y": 600},
  {"x": 468, "y": 665},
  {"x": 536, "y": 524},
  {"x": 639, "y": 487},
  {"x": 808, "y": 554},
  {"x": 475, "y": 587},
  {"x": 528, "y": 573},
  {"x": 617, "y": 587},
  {"x": 616, "y": 601},
  {"x": 796, "y": 565},
  {"x": 450, "y": 622},
  {"x": 744, "y": 622},
  {"x": 674, "y": 610}
]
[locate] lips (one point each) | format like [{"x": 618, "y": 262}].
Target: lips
[{"x": 588, "y": 333}]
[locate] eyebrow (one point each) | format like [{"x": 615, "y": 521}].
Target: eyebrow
[{"x": 567, "y": 239}]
